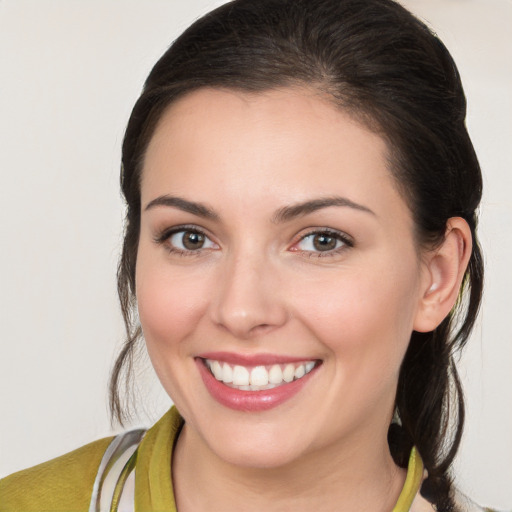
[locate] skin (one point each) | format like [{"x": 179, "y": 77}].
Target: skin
[{"x": 259, "y": 286}]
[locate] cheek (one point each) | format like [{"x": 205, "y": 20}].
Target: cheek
[
  {"x": 170, "y": 301},
  {"x": 362, "y": 316}
]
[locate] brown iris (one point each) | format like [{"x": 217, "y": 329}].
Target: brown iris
[
  {"x": 323, "y": 242},
  {"x": 192, "y": 240}
]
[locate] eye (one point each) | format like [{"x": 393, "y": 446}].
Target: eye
[
  {"x": 325, "y": 241},
  {"x": 183, "y": 241}
]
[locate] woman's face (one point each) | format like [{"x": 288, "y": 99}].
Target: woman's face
[{"x": 275, "y": 249}]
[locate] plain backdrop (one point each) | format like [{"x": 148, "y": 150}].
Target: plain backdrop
[{"x": 70, "y": 72}]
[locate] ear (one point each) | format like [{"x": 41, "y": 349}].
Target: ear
[{"x": 442, "y": 274}]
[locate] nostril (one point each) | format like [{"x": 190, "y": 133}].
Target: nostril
[
  {"x": 247, "y": 330},
  {"x": 246, "y": 303}
]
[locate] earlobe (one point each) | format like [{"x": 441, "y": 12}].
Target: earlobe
[{"x": 443, "y": 272}]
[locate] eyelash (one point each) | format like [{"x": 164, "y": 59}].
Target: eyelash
[
  {"x": 166, "y": 235},
  {"x": 347, "y": 242}
]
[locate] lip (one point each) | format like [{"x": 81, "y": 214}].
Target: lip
[
  {"x": 251, "y": 401},
  {"x": 252, "y": 359}
]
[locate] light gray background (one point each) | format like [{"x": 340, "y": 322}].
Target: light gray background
[{"x": 70, "y": 72}]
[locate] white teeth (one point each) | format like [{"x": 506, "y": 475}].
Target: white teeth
[
  {"x": 217, "y": 370},
  {"x": 288, "y": 373},
  {"x": 252, "y": 387},
  {"x": 259, "y": 376},
  {"x": 299, "y": 372},
  {"x": 227, "y": 373},
  {"x": 275, "y": 375},
  {"x": 240, "y": 376}
]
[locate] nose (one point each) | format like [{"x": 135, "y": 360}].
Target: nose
[{"x": 248, "y": 301}]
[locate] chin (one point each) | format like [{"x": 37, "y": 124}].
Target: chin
[
  {"x": 254, "y": 444},
  {"x": 258, "y": 455}
]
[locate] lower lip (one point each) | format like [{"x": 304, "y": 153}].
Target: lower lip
[{"x": 251, "y": 401}]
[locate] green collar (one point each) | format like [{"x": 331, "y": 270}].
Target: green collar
[{"x": 153, "y": 487}]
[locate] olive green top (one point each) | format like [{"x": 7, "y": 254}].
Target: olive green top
[{"x": 65, "y": 484}]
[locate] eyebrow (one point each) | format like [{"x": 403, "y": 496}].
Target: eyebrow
[
  {"x": 282, "y": 215},
  {"x": 199, "y": 209},
  {"x": 297, "y": 210}
]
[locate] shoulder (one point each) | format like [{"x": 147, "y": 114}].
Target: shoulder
[
  {"x": 65, "y": 484},
  {"x": 61, "y": 484}
]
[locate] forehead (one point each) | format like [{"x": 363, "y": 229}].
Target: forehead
[{"x": 291, "y": 143}]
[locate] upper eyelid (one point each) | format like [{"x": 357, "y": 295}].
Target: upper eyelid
[
  {"x": 345, "y": 238},
  {"x": 330, "y": 231},
  {"x": 163, "y": 238},
  {"x": 166, "y": 233}
]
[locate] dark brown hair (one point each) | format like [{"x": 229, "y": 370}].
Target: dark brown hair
[{"x": 381, "y": 64}]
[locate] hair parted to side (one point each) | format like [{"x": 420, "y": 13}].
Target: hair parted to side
[{"x": 375, "y": 60}]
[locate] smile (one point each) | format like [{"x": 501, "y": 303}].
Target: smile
[
  {"x": 258, "y": 378},
  {"x": 254, "y": 383}
]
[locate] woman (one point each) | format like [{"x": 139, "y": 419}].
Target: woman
[{"x": 301, "y": 195}]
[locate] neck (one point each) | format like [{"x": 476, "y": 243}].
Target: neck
[{"x": 358, "y": 476}]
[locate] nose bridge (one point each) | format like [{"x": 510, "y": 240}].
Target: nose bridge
[{"x": 247, "y": 300}]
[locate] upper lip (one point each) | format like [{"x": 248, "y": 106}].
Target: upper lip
[{"x": 253, "y": 359}]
